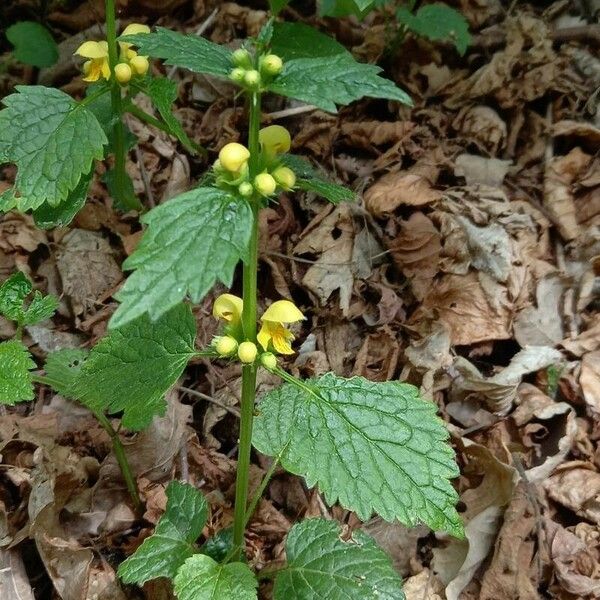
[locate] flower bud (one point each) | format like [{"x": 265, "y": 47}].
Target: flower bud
[
  {"x": 225, "y": 345},
  {"x": 252, "y": 78},
  {"x": 123, "y": 73},
  {"x": 265, "y": 184},
  {"x": 233, "y": 156},
  {"x": 139, "y": 65},
  {"x": 285, "y": 177},
  {"x": 217, "y": 166},
  {"x": 241, "y": 58},
  {"x": 247, "y": 352},
  {"x": 237, "y": 74},
  {"x": 268, "y": 360},
  {"x": 245, "y": 189},
  {"x": 271, "y": 65}
]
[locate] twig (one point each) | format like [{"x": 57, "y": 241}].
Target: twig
[
  {"x": 184, "y": 465},
  {"x": 198, "y": 394},
  {"x": 201, "y": 29}
]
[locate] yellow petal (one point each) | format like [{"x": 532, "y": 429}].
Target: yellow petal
[
  {"x": 92, "y": 70},
  {"x": 105, "y": 68},
  {"x": 264, "y": 336},
  {"x": 283, "y": 311},
  {"x": 233, "y": 156},
  {"x": 92, "y": 50},
  {"x": 228, "y": 307},
  {"x": 134, "y": 28},
  {"x": 275, "y": 139},
  {"x": 282, "y": 340}
]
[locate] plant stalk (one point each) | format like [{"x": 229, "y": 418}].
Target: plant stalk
[
  {"x": 249, "y": 324},
  {"x": 121, "y": 457},
  {"x": 128, "y": 201}
]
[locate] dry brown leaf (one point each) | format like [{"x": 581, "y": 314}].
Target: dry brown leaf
[
  {"x": 332, "y": 240},
  {"x": 575, "y": 561},
  {"x": 589, "y": 379},
  {"x": 586, "y": 341},
  {"x": 511, "y": 574},
  {"x": 483, "y": 126},
  {"x": 416, "y": 249},
  {"x": 413, "y": 187},
  {"x": 377, "y": 358},
  {"x": 576, "y": 485},
  {"x": 466, "y": 309},
  {"x": 500, "y": 390},
  {"x": 14, "y": 583},
  {"x": 481, "y": 170},
  {"x": 457, "y": 563},
  {"x": 87, "y": 268},
  {"x": 424, "y": 586},
  {"x": 560, "y": 174}
]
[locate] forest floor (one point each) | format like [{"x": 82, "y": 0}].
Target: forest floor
[{"x": 469, "y": 268}]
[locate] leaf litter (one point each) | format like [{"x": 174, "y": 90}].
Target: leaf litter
[{"x": 469, "y": 267}]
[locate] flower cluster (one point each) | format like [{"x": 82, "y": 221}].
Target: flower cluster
[
  {"x": 273, "y": 336},
  {"x": 231, "y": 168},
  {"x": 250, "y": 75},
  {"x": 130, "y": 63}
]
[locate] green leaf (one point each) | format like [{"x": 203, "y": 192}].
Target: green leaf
[
  {"x": 52, "y": 140},
  {"x": 62, "y": 369},
  {"x": 438, "y": 22},
  {"x": 201, "y": 578},
  {"x": 337, "y": 80},
  {"x": 345, "y": 8},
  {"x": 163, "y": 93},
  {"x": 172, "y": 542},
  {"x": 296, "y": 40},
  {"x": 219, "y": 546},
  {"x": 124, "y": 196},
  {"x": 40, "y": 308},
  {"x": 13, "y": 292},
  {"x": 310, "y": 180},
  {"x": 33, "y": 44},
  {"x": 191, "y": 242},
  {"x": 47, "y": 216},
  {"x": 322, "y": 565},
  {"x": 15, "y": 377},
  {"x": 132, "y": 367},
  {"x": 372, "y": 447},
  {"x": 277, "y": 6},
  {"x": 188, "y": 51}
]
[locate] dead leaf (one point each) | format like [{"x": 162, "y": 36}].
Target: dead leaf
[
  {"x": 483, "y": 126},
  {"x": 416, "y": 249},
  {"x": 413, "y": 187},
  {"x": 575, "y": 561},
  {"x": 470, "y": 312},
  {"x": 87, "y": 268},
  {"x": 424, "y": 586},
  {"x": 332, "y": 240},
  {"x": 576, "y": 485},
  {"x": 589, "y": 379},
  {"x": 479, "y": 170},
  {"x": 457, "y": 563},
  {"x": 561, "y": 172},
  {"x": 14, "y": 583}
]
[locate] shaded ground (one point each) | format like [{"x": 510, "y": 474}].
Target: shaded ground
[{"x": 468, "y": 268}]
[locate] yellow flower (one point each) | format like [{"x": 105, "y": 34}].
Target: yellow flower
[
  {"x": 285, "y": 177},
  {"x": 229, "y": 308},
  {"x": 247, "y": 352},
  {"x": 139, "y": 65},
  {"x": 123, "y": 73},
  {"x": 271, "y": 64},
  {"x": 273, "y": 330},
  {"x": 274, "y": 140},
  {"x": 135, "y": 28},
  {"x": 97, "y": 65},
  {"x": 265, "y": 184},
  {"x": 225, "y": 345},
  {"x": 268, "y": 360},
  {"x": 233, "y": 157}
]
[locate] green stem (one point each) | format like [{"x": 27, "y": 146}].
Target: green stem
[
  {"x": 117, "y": 445},
  {"x": 143, "y": 116},
  {"x": 261, "y": 489},
  {"x": 121, "y": 457},
  {"x": 129, "y": 201},
  {"x": 249, "y": 324}
]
